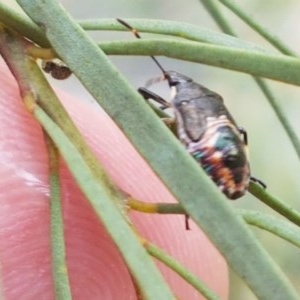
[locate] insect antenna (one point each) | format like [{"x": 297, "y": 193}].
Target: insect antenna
[
  {"x": 144, "y": 91},
  {"x": 137, "y": 35}
]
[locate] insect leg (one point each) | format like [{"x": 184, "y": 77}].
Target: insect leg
[
  {"x": 245, "y": 138},
  {"x": 258, "y": 181},
  {"x": 137, "y": 35},
  {"x": 169, "y": 121},
  {"x": 243, "y": 132},
  {"x": 187, "y": 224},
  {"x": 147, "y": 94}
]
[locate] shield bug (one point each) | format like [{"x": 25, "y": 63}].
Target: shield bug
[{"x": 207, "y": 130}]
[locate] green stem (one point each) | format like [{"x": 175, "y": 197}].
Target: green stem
[
  {"x": 279, "y": 227},
  {"x": 181, "y": 271},
  {"x": 272, "y": 39},
  {"x": 171, "y": 28},
  {"x": 284, "y": 120},
  {"x": 22, "y": 24},
  {"x": 142, "y": 268},
  {"x": 59, "y": 264},
  {"x": 213, "y": 8},
  {"x": 154, "y": 208},
  {"x": 27, "y": 28},
  {"x": 170, "y": 208},
  {"x": 273, "y": 66},
  {"x": 283, "y": 209}
]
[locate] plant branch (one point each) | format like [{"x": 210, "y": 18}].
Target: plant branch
[
  {"x": 22, "y": 24},
  {"x": 170, "y": 262},
  {"x": 174, "y": 29},
  {"x": 249, "y": 20},
  {"x": 277, "y": 67},
  {"x": 279, "y": 206},
  {"x": 278, "y": 227},
  {"x": 59, "y": 264}
]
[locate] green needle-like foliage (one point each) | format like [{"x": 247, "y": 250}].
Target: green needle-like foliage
[{"x": 51, "y": 25}]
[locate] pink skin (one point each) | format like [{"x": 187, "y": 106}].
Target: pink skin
[{"x": 96, "y": 268}]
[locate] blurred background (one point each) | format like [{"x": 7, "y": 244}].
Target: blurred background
[{"x": 272, "y": 157}]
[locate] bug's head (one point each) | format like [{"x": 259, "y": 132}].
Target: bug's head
[{"x": 174, "y": 78}]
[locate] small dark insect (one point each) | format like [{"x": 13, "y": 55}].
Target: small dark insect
[
  {"x": 56, "y": 68},
  {"x": 207, "y": 130}
]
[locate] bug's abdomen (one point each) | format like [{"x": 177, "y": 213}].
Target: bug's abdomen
[{"x": 223, "y": 155}]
